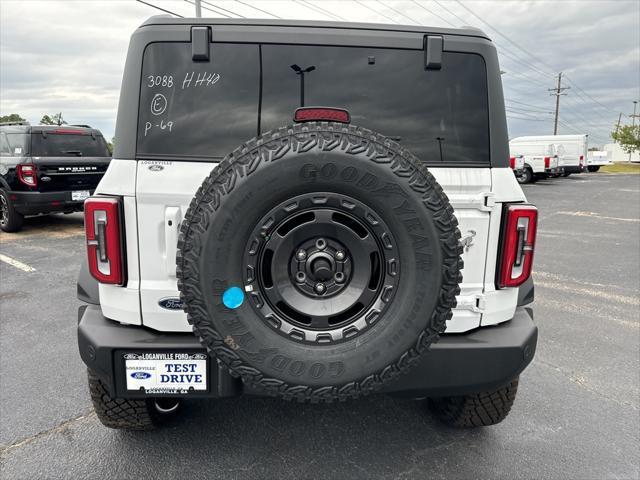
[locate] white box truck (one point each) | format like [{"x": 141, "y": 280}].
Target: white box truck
[
  {"x": 570, "y": 149},
  {"x": 597, "y": 159}
]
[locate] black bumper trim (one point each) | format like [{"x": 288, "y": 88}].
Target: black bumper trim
[
  {"x": 482, "y": 360},
  {"x": 33, "y": 203}
]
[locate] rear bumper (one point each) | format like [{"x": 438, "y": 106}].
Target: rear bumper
[
  {"x": 33, "y": 203},
  {"x": 484, "y": 359},
  {"x": 573, "y": 169}
]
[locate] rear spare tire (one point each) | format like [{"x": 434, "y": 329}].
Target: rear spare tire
[{"x": 319, "y": 261}]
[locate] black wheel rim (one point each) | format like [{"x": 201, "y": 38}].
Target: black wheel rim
[
  {"x": 4, "y": 210},
  {"x": 321, "y": 268}
]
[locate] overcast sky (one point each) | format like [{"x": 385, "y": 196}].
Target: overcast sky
[{"x": 68, "y": 55}]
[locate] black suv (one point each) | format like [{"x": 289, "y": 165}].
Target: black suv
[{"x": 46, "y": 169}]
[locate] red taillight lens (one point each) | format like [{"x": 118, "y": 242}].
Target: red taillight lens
[
  {"x": 325, "y": 114},
  {"x": 27, "y": 174},
  {"x": 104, "y": 240},
  {"x": 581, "y": 160},
  {"x": 518, "y": 242},
  {"x": 66, "y": 131},
  {"x": 512, "y": 163},
  {"x": 547, "y": 162}
]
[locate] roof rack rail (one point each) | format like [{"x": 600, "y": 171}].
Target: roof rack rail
[
  {"x": 20, "y": 122},
  {"x": 80, "y": 125}
]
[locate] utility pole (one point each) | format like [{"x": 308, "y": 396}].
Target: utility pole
[
  {"x": 557, "y": 92},
  {"x": 198, "y": 8},
  {"x": 633, "y": 122},
  {"x": 618, "y": 124}
]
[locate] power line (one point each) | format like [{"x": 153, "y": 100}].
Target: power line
[
  {"x": 526, "y": 119},
  {"x": 223, "y": 9},
  {"x": 538, "y": 107},
  {"x": 159, "y": 8},
  {"x": 433, "y": 13},
  {"x": 320, "y": 10},
  {"x": 505, "y": 37},
  {"x": 577, "y": 87},
  {"x": 608, "y": 109},
  {"x": 258, "y": 9},
  {"x": 397, "y": 11},
  {"x": 374, "y": 11},
  {"x": 209, "y": 9},
  {"x": 449, "y": 11}
]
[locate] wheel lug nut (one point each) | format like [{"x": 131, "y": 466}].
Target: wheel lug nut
[
  {"x": 301, "y": 255},
  {"x": 319, "y": 288},
  {"x": 321, "y": 244},
  {"x": 301, "y": 277},
  {"x": 340, "y": 255}
]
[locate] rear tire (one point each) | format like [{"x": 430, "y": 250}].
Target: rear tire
[
  {"x": 526, "y": 176},
  {"x": 477, "y": 410},
  {"x": 126, "y": 413},
  {"x": 10, "y": 219},
  {"x": 593, "y": 168}
]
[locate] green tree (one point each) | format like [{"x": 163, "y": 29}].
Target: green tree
[
  {"x": 111, "y": 144},
  {"x": 55, "y": 119},
  {"x": 628, "y": 136},
  {"x": 12, "y": 117}
]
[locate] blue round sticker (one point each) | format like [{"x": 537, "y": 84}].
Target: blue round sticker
[{"x": 233, "y": 297}]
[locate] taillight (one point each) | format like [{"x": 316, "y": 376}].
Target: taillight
[
  {"x": 66, "y": 131},
  {"x": 27, "y": 174},
  {"x": 547, "y": 162},
  {"x": 512, "y": 163},
  {"x": 581, "y": 160},
  {"x": 104, "y": 241},
  {"x": 326, "y": 114},
  {"x": 518, "y": 242}
]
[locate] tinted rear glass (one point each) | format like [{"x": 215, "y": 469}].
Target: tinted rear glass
[
  {"x": 441, "y": 115},
  {"x": 66, "y": 145}
]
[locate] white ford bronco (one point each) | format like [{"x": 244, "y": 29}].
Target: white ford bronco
[{"x": 313, "y": 211}]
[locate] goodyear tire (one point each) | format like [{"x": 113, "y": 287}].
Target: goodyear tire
[
  {"x": 319, "y": 262},
  {"x": 129, "y": 414}
]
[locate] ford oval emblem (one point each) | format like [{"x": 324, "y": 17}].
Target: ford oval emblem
[
  {"x": 156, "y": 168},
  {"x": 140, "y": 375},
  {"x": 171, "y": 303}
]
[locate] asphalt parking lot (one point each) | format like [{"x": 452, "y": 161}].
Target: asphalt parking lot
[{"x": 576, "y": 416}]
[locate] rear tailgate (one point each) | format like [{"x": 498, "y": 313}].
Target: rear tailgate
[{"x": 57, "y": 174}]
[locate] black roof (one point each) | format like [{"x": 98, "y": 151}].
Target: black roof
[
  {"x": 464, "y": 30},
  {"x": 47, "y": 128}
]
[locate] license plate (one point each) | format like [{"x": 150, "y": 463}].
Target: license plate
[
  {"x": 79, "y": 195},
  {"x": 166, "y": 373}
]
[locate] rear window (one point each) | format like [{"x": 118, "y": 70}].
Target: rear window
[
  {"x": 68, "y": 145},
  {"x": 206, "y": 109}
]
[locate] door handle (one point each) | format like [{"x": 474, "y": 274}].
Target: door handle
[{"x": 172, "y": 220}]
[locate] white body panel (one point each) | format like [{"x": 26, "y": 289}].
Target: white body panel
[
  {"x": 537, "y": 163},
  {"x": 599, "y": 158},
  {"x": 123, "y": 303},
  {"x": 161, "y": 196},
  {"x": 568, "y": 148}
]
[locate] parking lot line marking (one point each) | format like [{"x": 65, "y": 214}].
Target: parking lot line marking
[
  {"x": 596, "y": 293},
  {"x": 15, "y": 263},
  {"x": 596, "y": 215}
]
